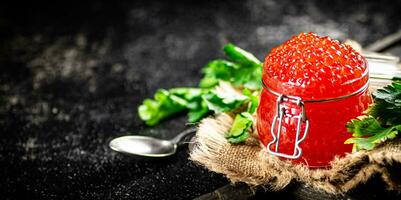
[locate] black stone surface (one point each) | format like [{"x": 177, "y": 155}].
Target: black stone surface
[{"x": 73, "y": 73}]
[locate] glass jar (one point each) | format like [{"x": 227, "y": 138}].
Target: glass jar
[{"x": 305, "y": 123}]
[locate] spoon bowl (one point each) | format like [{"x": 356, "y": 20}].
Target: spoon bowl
[
  {"x": 149, "y": 146},
  {"x": 143, "y": 146}
]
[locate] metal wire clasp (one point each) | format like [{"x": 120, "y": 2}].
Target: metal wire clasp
[{"x": 301, "y": 118}]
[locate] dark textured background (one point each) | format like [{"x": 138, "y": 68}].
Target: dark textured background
[{"x": 72, "y": 75}]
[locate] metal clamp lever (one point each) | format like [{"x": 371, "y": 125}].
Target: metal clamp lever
[{"x": 301, "y": 118}]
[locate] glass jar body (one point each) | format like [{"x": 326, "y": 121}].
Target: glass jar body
[{"x": 326, "y": 133}]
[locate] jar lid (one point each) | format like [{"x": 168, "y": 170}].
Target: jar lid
[{"x": 314, "y": 67}]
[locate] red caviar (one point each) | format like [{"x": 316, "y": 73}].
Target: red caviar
[{"x": 312, "y": 67}]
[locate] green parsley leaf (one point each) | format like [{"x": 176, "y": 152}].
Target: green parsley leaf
[
  {"x": 169, "y": 102},
  {"x": 249, "y": 73},
  {"x": 222, "y": 99},
  {"x": 217, "y": 70},
  {"x": 387, "y": 107},
  {"x": 368, "y": 133},
  {"x": 163, "y": 105},
  {"x": 383, "y": 121},
  {"x": 243, "y": 69},
  {"x": 241, "y": 56},
  {"x": 239, "y": 139},
  {"x": 254, "y": 100},
  {"x": 199, "y": 112},
  {"x": 240, "y": 129},
  {"x": 363, "y": 126}
]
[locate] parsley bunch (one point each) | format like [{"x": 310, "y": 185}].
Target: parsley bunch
[
  {"x": 383, "y": 119},
  {"x": 241, "y": 69}
]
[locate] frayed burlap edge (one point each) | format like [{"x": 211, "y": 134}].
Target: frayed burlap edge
[{"x": 250, "y": 163}]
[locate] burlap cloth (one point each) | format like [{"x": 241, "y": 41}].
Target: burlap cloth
[{"x": 250, "y": 163}]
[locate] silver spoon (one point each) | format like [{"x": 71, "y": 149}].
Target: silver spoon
[{"x": 149, "y": 146}]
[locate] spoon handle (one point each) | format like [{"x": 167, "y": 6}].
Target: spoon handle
[{"x": 181, "y": 136}]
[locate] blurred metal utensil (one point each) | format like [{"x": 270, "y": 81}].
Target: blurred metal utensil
[
  {"x": 382, "y": 67},
  {"x": 149, "y": 146},
  {"x": 384, "y": 42}
]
